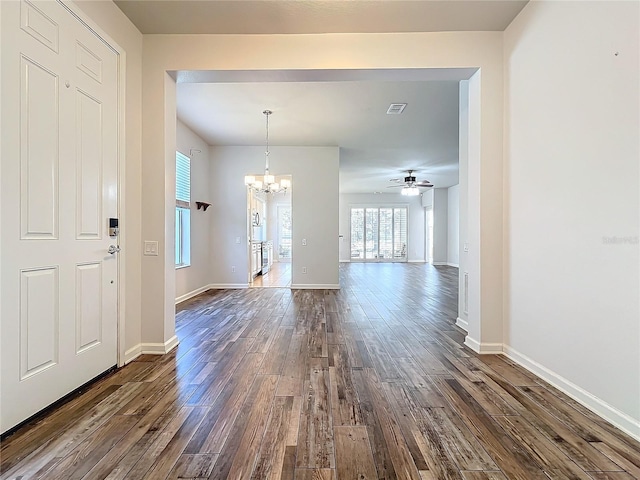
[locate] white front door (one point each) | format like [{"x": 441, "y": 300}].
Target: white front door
[{"x": 58, "y": 189}]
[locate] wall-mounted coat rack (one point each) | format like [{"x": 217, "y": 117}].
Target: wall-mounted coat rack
[{"x": 202, "y": 205}]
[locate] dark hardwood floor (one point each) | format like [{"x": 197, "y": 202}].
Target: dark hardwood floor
[{"x": 369, "y": 382}]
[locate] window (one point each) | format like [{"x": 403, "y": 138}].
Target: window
[
  {"x": 357, "y": 233},
  {"x": 379, "y": 234},
  {"x": 430, "y": 235},
  {"x": 183, "y": 210},
  {"x": 284, "y": 233}
]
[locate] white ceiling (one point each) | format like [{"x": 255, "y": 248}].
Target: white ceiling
[
  {"x": 374, "y": 146},
  {"x": 341, "y": 109},
  {"x": 319, "y": 16}
]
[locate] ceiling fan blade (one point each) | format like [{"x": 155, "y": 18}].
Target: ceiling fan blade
[
  {"x": 395, "y": 180},
  {"x": 396, "y": 186},
  {"x": 423, "y": 184}
]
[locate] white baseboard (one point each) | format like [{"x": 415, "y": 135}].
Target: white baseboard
[
  {"x": 447, "y": 264},
  {"x": 191, "y": 294},
  {"x": 159, "y": 348},
  {"x": 219, "y": 286},
  {"x": 416, "y": 261},
  {"x": 316, "y": 286},
  {"x": 621, "y": 420},
  {"x": 463, "y": 324},
  {"x": 171, "y": 344},
  {"x": 150, "y": 349},
  {"x": 482, "y": 348},
  {"x": 133, "y": 353}
]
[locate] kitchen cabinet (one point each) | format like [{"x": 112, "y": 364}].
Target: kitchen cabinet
[
  {"x": 256, "y": 258},
  {"x": 267, "y": 256}
]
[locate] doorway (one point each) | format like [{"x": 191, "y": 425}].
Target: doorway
[
  {"x": 429, "y": 234},
  {"x": 270, "y": 232},
  {"x": 469, "y": 77}
]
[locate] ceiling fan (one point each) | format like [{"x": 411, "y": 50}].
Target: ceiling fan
[{"x": 409, "y": 184}]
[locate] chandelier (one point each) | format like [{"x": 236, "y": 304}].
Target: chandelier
[{"x": 266, "y": 183}]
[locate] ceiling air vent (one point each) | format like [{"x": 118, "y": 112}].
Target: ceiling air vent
[{"x": 396, "y": 108}]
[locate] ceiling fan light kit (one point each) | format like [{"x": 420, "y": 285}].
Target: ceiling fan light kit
[
  {"x": 410, "y": 187},
  {"x": 266, "y": 183},
  {"x": 410, "y": 191}
]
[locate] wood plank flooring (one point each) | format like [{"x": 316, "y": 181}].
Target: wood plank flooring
[
  {"x": 279, "y": 275},
  {"x": 368, "y": 382}
]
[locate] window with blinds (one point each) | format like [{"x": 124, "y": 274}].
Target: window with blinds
[
  {"x": 379, "y": 234},
  {"x": 183, "y": 211},
  {"x": 183, "y": 180}
]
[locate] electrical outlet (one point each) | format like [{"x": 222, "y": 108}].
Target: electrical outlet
[
  {"x": 238, "y": 240},
  {"x": 233, "y": 269},
  {"x": 304, "y": 242},
  {"x": 304, "y": 269}
]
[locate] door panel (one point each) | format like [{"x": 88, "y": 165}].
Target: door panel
[
  {"x": 39, "y": 131},
  {"x": 58, "y": 188},
  {"x": 89, "y": 218},
  {"x": 38, "y": 320},
  {"x": 40, "y": 26},
  {"x": 88, "y": 306},
  {"x": 88, "y": 62}
]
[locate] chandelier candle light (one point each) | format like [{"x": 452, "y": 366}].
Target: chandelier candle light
[{"x": 267, "y": 183}]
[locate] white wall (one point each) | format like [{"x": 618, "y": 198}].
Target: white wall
[
  {"x": 194, "y": 278},
  {"x": 314, "y": 210},
  {"x": 115, "y": 24},
  {"x": 416, "y": 227},
  {"x": 453, "y": 225},
  {"x": 572, "y": 149},
  {"x": 440, "y": 226}
]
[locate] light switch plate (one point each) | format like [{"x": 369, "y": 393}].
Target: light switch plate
[{"x": 151, "y": 248}]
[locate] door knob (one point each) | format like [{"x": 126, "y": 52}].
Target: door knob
[{"x": 113, "y": 249}]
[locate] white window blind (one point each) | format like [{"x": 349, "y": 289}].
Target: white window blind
[
  {"x": 183, "y": 211},
  {"x": 357, "y": 233},
  {"x": 400, "y": 233},
  {"x": 183, "y": 180},
  {"x": 379, "y": 234}
]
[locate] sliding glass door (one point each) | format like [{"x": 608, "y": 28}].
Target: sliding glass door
[{"x": 379, "y": 234}]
